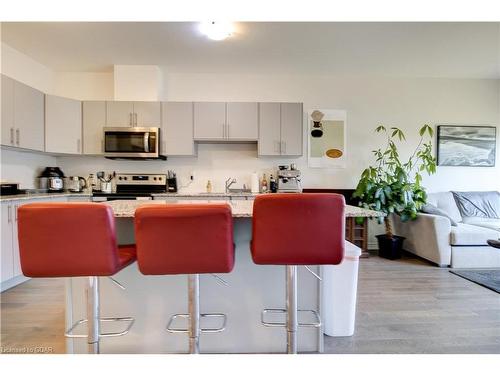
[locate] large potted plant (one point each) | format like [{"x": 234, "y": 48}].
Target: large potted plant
[{"x": 393, "y": 186}]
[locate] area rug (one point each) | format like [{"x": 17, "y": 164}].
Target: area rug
[{"x": 488, "y": 278}]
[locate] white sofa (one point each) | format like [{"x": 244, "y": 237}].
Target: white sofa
[{"x": 463, "y": 246}]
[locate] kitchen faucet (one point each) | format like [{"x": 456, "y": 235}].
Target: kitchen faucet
[{"x": 229, "y": 182}]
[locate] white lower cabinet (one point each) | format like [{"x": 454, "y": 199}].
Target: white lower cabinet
[
  {"x": 7, "y": 257},
  {"x": 11, "y": 273}
]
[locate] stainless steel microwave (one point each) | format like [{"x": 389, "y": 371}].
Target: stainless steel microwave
[{"x": 133, "y": 142}]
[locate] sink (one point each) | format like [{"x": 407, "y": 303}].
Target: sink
[
  {"x": 239, "y": 191},
  {"x": 229, "y": 192}
]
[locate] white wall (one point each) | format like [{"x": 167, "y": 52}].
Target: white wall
[
  {"x": 84, "y": 85},
  {"x": 24, "y": 167},
  {"x": 23, "y": 68},
  {"x": 137, "y": 82},
  {"x": 407, "y": 103}
]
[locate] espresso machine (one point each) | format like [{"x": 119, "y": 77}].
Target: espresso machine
[{"x": 288, "y": 179}]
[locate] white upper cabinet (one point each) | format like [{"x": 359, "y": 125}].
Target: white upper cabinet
[
  {"x": 119, "y": 114},
  {"x": 269, "y": 129},
  {"x": 28, "y": 117},
  {"x": 63, "y": 125},
  {"x": 280, "y": 129},
  {"x": 291, "y": 129},
  {"x": 8, "y": 127},
  {"x": 146, "y": 114},
  {"x": 226, "y": 121},
  {"x": 93, "y": 122},
  {"x": 177, "y": 133},
  {"x": 242, "y": 121},
  {"x": 209, "y": 121}
]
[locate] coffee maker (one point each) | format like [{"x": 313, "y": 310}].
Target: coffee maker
[{"x": 288, "y": 180}]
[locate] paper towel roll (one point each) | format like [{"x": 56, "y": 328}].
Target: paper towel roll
[{"x": 255, "y": 183}]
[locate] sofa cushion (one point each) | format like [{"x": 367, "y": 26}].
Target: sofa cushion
[
  {"x": 445, "y": 202},
  {"x": 466, "y": 234},
  {"x": 478, "y": 203},
  {"x": 483, "y": 222}
]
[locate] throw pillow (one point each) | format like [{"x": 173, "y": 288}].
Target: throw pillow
[
  {"x": 433, "y": 210},
  {"x": 478, "y": 203}
]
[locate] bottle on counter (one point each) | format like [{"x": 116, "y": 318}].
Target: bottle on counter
[
  {"x": 209, "y": 186},
  {"x": 254, "y": 183},
  {"x": 273, "y": 186},
  {"x": 263, "y": 184},
  {"x": 91, "y": 183}
]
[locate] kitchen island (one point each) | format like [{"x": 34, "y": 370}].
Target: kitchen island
[{"x": 151, "y": 300}]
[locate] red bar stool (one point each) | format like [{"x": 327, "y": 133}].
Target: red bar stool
[
  {"x": 72, "y": 240},
  {"x": 297, "y": 229},
  {"x": 187, "y": 239}
]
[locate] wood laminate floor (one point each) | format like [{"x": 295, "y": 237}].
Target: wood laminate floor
[{"x": 404, "y": 306}]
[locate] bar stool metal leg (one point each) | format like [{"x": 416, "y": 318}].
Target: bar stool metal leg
[
  {"x": 194, "y": 313},
  {"x": 291, "y": 308},
  {"x": 93, "y": 323}
]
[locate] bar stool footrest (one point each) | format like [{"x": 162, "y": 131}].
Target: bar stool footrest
[
  {"x": 221, "y": 328},
  {"x": 129, "y": 319},
  {"x": 315, "y": 324}
]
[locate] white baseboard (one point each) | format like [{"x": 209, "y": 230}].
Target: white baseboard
[{"x": 7, "y": 284}]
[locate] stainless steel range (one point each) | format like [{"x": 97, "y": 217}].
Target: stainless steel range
[{"x": 134, "y": 186}]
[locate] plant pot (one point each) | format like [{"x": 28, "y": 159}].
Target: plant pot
[{"x": 390, "y": 248}]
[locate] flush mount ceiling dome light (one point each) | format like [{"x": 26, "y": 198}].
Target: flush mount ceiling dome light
[{"x": 216, "y": 30}]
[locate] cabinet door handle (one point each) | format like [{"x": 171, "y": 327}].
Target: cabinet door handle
[
  {"x": 223, "y": 130},
  {"x": 11, "y": 136},
  {"x": 78, "y": 145},
  {"x": 283, "y": 147},
  {"x": 227, "y": 130},
  {"x": 16, "y": 207},
  {"x": 130, "y": 122},
  {"x": 135, "y": 119},
  {"x": 277, "y": 147},
  {"x": 102, "y": 145},
  {"x": 18, "y": 137},
  {"x": 9, "y": 214}
]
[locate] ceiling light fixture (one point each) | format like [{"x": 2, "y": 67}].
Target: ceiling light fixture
[{"x": 216, "y": 30}]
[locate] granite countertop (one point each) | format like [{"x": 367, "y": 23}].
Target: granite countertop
[
  {"x": 204, "y": 194},
  {"x": 243, "y": 208},
  {"x": 37, "y": 195}
]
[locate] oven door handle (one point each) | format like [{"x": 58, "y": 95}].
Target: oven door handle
[{"x": 146, "y": 142}]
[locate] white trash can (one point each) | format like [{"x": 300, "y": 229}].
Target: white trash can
[{"x": 340, "y": 286}]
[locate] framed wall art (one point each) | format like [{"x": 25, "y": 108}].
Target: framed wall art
[
  {"x": 326, "y": 134},
  {"x": 466, "y": 145}
]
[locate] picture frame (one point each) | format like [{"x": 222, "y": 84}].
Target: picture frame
[
  {"x": 326, "y": 138},
  {"x": 466, "y": 145}
]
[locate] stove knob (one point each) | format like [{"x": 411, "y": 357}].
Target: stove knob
[
  {"x": 125, "y": 178},
  {"x": 159, "y": 178},
  {"x": 120, "y": 178},
  {"x": 154, "y": 178}
]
